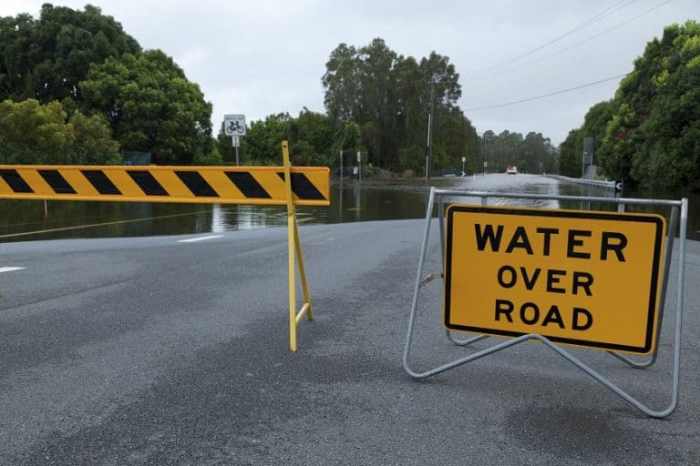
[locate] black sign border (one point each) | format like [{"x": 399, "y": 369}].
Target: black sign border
[{"x": 646, "y": 218}]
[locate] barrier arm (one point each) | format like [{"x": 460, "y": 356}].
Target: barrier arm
[{"x": 295, "y": 254}]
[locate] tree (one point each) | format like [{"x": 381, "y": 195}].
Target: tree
[
  {"x": 46, "y": 58},
  {"x": 151, "y": 106},
  {"x": 652, "y": 137},
  {"x": 389, "y": 97},
  {"x": 93, "y": 140},
  {"x": 311, "y": 136},
  {"x": 570, "y": 157},
  {"x": 31, "y": 133},
  {"x": 261, "y": 145},
  {"x": 532, "y": 153},
  {"x": 594, "y": 125},
  {"x": 313, "y": 140}
]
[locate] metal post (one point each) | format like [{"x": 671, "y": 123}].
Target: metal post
[
  {"x": 429, "y": 142},
  {"x": 427, "y": 150},
  {"x": 359, "y": 166},
  {"x": 340, "y": 204},
  {"x": 235, "y": 142}
]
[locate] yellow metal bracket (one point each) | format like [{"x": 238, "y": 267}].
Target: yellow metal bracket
[{"x": 295, "y": 256}]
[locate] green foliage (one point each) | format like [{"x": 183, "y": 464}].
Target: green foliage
[
  {"x": 85, "y": 60},
  {"x": 532, "y": 153},
  {"x": 31, "y": 133},
  {"x": 312, "y": 137},
  {"x": 211, "y": 158},
  {"x": 571, "y": 155},
  {"x": 93, "y": 141},
  {"x": 652, "y": 136},
  {"x": 389, "y": 97},
  {"x": 151, "y": 106},
  {"x": 46, "y": 58},
  {"x": 261, "y": 145},
  {"x": 595, "y": 125}
]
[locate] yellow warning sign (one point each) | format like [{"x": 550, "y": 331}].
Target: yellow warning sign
[{"x": 578, "y": 277}]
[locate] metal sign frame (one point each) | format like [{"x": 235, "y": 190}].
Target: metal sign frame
[{"x": 677, "y": 207}]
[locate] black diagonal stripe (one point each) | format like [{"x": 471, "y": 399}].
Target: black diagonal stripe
[
  {"x": 148, "y": 184},
  {"x": 303, "y": 187},
  {"x": 196, "y": 183},
  {"x": 56, "y": 181},
  {"x": 101, "y": 182},
  {"x": 248, "y": 185},
  {"x": 15, "y": 181}
]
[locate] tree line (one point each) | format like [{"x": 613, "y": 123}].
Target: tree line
[
  {"x": 649, "y": 134},
  {"x": 532, "y": 153},
  {"x": 377, "y": 103},
  {"x": 76, "y": 88}
]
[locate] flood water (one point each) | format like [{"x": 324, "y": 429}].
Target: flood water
[{"x": 351, "y": 202}]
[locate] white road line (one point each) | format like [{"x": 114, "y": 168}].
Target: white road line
[
  {"x": 200, "y": 238},
  {"x": 10, "y": 269}
]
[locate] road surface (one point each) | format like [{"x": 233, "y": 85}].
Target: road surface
[{"x": 163, "y": 351}]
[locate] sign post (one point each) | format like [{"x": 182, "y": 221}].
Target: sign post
[
  {"x": 234, "y": 126},
  {"x": 464, "y": 159},
  {"x": 594, "y": 279}
]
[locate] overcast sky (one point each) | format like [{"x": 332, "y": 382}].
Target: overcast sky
[{"x": 267, "y": 56}]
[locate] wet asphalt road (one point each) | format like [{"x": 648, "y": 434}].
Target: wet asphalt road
[{"x": 152, "y": 351}]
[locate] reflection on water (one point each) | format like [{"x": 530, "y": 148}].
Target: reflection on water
[{"x": 350, "y": 202}]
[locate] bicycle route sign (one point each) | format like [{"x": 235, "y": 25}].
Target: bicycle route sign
[{"x": 234, "y": 125}]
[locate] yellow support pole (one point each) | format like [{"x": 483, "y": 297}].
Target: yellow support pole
[
  {"x": 295, "y": 253},
  {"x": 291, "y": 242},
  {"x": 302, "y": 272}
]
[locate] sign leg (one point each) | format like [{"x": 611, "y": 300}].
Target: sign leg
[
  {"x": 302, "y": 272},
  {"x": 291, "y": 249},
  {"x": 291, "y": 240}
]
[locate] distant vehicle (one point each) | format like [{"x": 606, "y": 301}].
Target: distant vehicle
[{"x": 512, "y": 170}]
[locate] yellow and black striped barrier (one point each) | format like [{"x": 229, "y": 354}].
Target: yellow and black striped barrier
[
  {"x": 208, "y": 185},
  {"x": 286, "y": 185}
]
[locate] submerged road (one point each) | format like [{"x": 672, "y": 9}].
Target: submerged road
[{"x": 163, "y": 351}]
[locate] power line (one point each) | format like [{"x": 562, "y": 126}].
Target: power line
[
  {"x": 605, "y": 31},
  {"x": 594, "y": 19},
  {"x": 537, "y": 97}
]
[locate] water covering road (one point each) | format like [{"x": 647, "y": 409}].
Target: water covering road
[{"x": 350, "y": 202}]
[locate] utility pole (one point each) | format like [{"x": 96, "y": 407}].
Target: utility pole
[
  {"x": 359, "y": 163},
  {"x": 483, "y": 150},
  {"x": 429, "y": 142}
]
